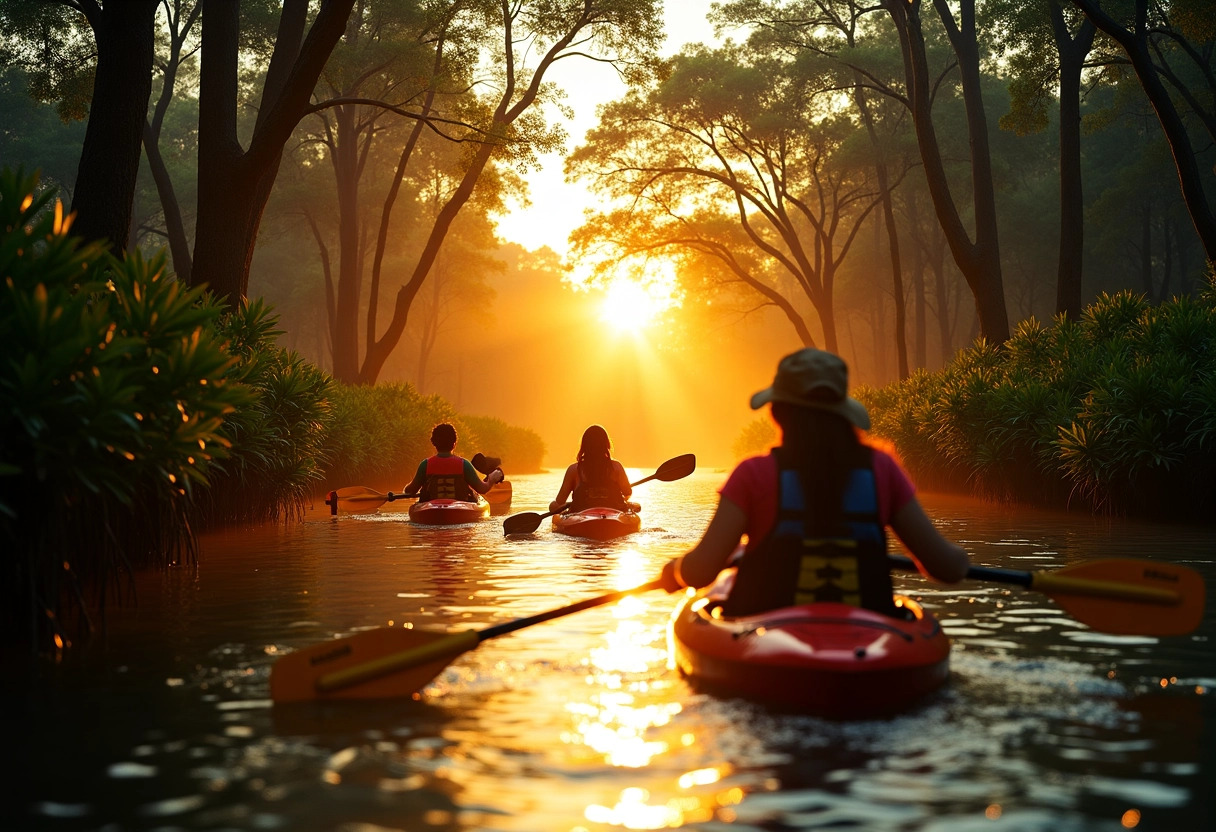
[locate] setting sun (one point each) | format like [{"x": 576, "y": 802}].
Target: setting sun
[{"x": 631, "y": 304}]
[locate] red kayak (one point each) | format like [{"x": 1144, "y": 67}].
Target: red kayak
[
  {"x": 827, "y": 659},
  {"x": 597, "y": 523},
  {"x": 447, "y": 512}
]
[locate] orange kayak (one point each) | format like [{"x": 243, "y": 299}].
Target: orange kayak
[
  {"x": 499, "y": 495},
  {"x": 597, "y": 523},
  {"x": 447, "y": 512},
  {"x": 827, "y": 659}
]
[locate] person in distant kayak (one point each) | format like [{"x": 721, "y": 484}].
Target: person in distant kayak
[
  {"x": 446, "y": 476},
  {"x": 596, "y": 480},
  {"x": 816, "y": 508}
]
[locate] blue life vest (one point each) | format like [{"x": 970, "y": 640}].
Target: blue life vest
[{"x": 811, "y": 556}]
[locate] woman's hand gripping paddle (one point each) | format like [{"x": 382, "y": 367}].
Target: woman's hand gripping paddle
[
  {"x": 393, "y": 662},
  {"x": 676, "y": 468},
  {"x": 357, "y": 499},
  {"x": 1121, "y": 596}
]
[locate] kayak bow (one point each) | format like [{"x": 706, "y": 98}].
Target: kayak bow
[
  {"x": 447, "y": 512},
  {"x": 826, "y": 659},
  {"x": 597, "y": 523}
]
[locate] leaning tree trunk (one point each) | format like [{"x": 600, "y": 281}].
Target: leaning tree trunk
[
  {"x": 109, "y": 159},
  {"x": 1190, "y": 177}
]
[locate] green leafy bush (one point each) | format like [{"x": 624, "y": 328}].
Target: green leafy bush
[
  {"x": 520, "y": 449},
  {"x": 113, "y": 391},
  {"x": 1115, "y": 410},
  {"x": 134, "y": 410},
  {"x": 279, "y": 452},
  {"x": 379, "y": 434}
]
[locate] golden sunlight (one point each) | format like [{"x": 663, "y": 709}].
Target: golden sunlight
[{"x": 633, "y": 302}]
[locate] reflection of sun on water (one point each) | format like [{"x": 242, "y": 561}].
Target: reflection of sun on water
[{"x": 615, "y": 721}]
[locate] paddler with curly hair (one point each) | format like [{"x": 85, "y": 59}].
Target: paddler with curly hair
[
  {"x": 816, "y": 508},
  {"x": 447, "y": 476}
]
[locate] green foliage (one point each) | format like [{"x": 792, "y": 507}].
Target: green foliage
[
  {"x": 520, "y": 449},
  {"x": 278, "y": 441},
  {"x": 1116, "y": 409},
  {"x": 113, "y": 391},
  {"x": 381, "y": 433},
  {"x": 55, "y": 44}
]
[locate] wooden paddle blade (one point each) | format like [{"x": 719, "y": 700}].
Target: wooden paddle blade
[
  {"x": 524, "y": 523},
  {"x": 1127, "y": 596},
  {"x": 676, "y": 468},
  {"x": 422, "y": 655},
  {"x": 358, "y": 499}
]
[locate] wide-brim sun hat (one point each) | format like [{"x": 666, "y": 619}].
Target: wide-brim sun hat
[{"x": 815, "y": 379}]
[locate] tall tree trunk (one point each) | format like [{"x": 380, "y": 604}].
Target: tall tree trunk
[
  {"x": 945, "y": 327},
  {"x": 233, "y": 185},
  {"x": 109, "y": 158},
  {"x": 920, "y": 348},
  {"x": 1146, "y": 249},
  {"x": 888, "y": 213},
  {"x": 345, "y": 155},
  {"x": 512, "y": 103},
  {"x": 1069, "y": 297},
  {"x": 1190, "y": 177},
  {"x": 390, "y": 199},
  {"x": 175, "y": 224},
  {"x": 979, "y": 261}
]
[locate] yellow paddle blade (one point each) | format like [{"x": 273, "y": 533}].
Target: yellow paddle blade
[
  {"x": 358, "y": 499},
  {"x": 376, "y": 664},
  {"x": 1127, "y": 596}
]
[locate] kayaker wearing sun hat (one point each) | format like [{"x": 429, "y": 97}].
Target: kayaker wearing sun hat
[{"x": 816, "y": 508}]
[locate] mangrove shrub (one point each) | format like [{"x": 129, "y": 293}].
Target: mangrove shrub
[
  {"x": 1115, "y": 411},
  {"x": 113, "y": 390}
]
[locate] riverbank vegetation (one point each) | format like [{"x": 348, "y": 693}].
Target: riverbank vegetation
[
  {"x": 1115, "y": 412},
  {"x": 1112, "y": 413},
  {"x": 136, "y": 411}
]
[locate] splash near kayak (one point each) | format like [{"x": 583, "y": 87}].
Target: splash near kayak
[
  {"x": 597, "y": 523},
  {"x": 825, "y": 659},
  {"x": 447, "y": 512}
]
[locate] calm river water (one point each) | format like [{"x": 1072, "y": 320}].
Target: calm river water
[{"x": 578, "y": 724}]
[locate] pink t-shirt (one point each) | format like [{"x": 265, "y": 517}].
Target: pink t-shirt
[{"x": 752, "y": 486}]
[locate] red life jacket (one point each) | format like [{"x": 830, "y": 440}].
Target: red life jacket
[{"x": 445, "y": 480}]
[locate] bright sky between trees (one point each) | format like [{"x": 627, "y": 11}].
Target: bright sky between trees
[{"x": 557, "y": 206}]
